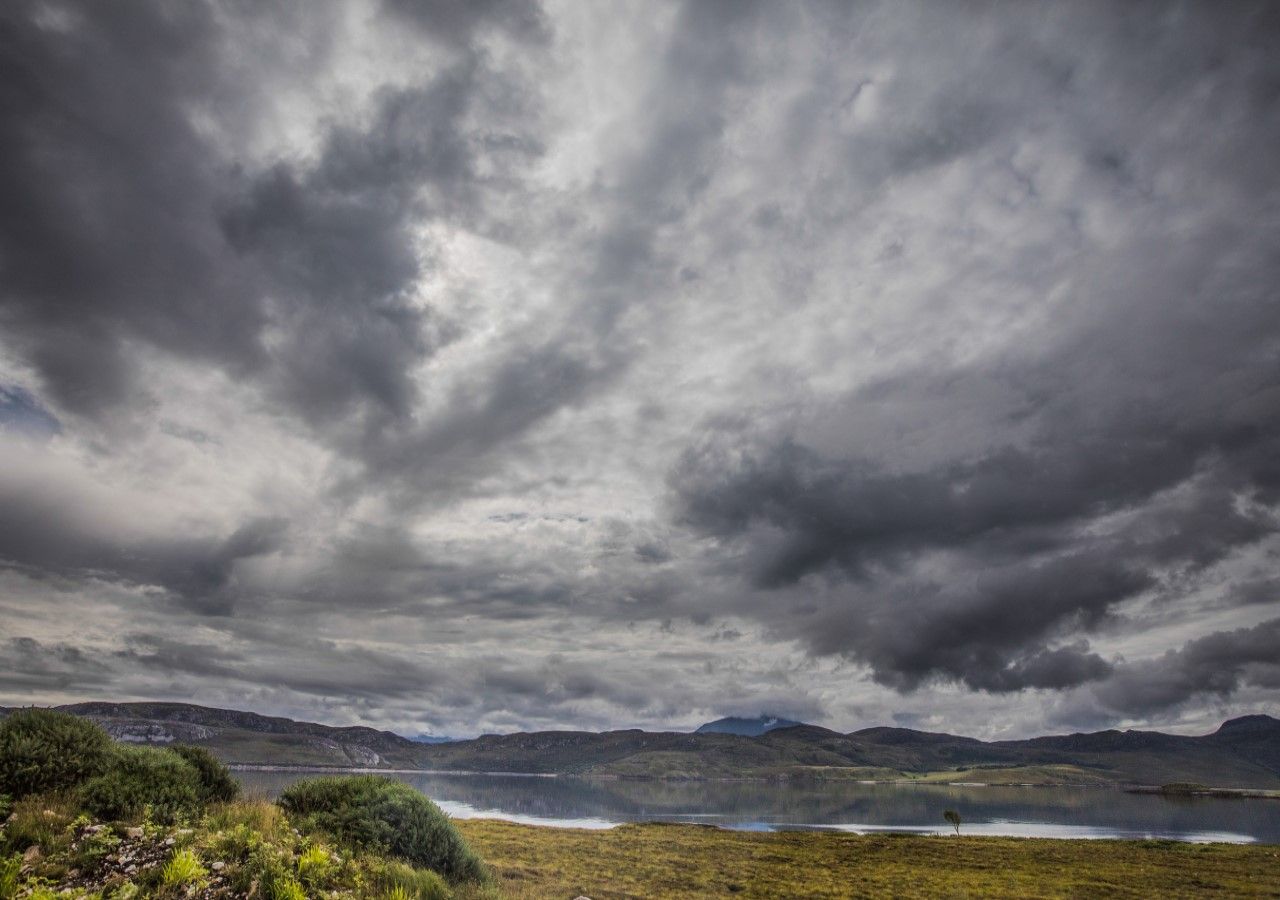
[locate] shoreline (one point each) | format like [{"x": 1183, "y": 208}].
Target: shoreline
[{"x": 1126, "y": 787}]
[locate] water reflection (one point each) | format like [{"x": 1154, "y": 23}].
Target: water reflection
[{"x": 1019, "y": 811}]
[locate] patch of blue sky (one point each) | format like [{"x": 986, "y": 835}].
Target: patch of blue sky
[{"x": 20, "y": 410}]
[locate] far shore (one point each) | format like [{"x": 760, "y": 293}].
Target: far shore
[{"x": 935, "y": 779}]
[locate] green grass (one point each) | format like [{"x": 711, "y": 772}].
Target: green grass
[
  {"x": 182, "y": 868},
  {"x": 690, "y": 861},
  {"x": 1047, "y": 774}
]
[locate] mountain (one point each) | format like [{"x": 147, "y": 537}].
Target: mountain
[
  {"x": 1243, "y": 752},
  {"x": 431, "y": 739},
  {"x": 747, "y": 727}
]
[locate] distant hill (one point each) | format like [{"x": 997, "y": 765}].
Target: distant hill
[
  {"x": 431, "y": 739},
  {"x": 747, "y": 727},
  {"x": 1243, "y": 752}
]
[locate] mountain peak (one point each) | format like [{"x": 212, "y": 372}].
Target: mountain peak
[
  {"x": 761, "y": 724},
  {"x": 1250, "y": 725}
]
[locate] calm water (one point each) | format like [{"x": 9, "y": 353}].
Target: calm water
[{"x": 1020, "y": 811}]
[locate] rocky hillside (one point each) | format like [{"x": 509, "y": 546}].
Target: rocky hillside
[{"x": 248, "y": 738}]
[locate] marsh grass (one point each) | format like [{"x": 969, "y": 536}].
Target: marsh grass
[
  {"x": 38, "y": 820},
  {"x": 253, "y": 813},
  {"x": 690, "y": 861}
]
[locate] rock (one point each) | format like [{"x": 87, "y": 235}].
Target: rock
[
  {"x": 169, "y": 842},
  {"x": 134, "y": 832},
  {"x": 218, "y": 866}
]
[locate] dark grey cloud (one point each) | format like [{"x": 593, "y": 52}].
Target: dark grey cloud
[
  {"x": 1083, "y": 497},
  {"x": 469, "y": 364},
  {"x": 30, "y": 665},
  {"x": 126, "y": 221},
  {"x": 1215, "y": 665},
  {"x": 49, "y": 535},
  {"x": 453, "y": 20}
]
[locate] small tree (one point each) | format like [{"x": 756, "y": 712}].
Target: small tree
[{"x": 953, "y": 817}]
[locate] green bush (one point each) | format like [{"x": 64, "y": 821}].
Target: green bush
[
  {"x": 143, "y": 780},
  {"x": 369, "y": 811},
  {"x": 216, "y": 783},
  {"x": 42, "y": 750}
]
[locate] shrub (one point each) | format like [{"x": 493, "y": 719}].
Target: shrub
[
  {"x": 216, "y": 783},
  {"x": 383, "y": 815},
  {"x": 182, "y": 868},
  {"x": 142, "y": 780},
  {"x": 42, "y": 750}
]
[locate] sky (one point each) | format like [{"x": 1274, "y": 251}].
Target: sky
[{"x": 464, "y": 367}]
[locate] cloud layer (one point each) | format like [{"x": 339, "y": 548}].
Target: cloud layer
[{"x": 480, "y": 366}]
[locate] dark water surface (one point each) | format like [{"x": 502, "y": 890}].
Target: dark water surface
[{"x": 1019, "y": 811}]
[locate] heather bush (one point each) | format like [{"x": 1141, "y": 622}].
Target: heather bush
[
  {"x": 142, "y": 781},
  {"x": 216, "y": 783},
  {"x": 387, "y": 816},
  {"x": 42, "y": 751}
]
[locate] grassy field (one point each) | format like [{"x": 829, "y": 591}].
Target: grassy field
[
  {"x": 689, "y": 861},
  {"x": 1057, "y": 774}
]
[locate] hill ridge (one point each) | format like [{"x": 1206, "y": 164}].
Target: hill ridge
[{"x": 1242, "y": 752}]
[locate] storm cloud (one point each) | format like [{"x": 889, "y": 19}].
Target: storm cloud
[{"x": 461, "y": 367}]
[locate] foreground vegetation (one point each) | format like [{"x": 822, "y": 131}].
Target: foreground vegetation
[
  {"x": 690, "y": 861},
  {"x": 87, "y": 818}
]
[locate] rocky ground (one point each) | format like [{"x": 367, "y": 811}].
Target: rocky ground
[{"x": 118, "y": 862}]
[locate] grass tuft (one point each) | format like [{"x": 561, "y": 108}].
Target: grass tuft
[
  {"x": 182, "y": 868},
  {"x": 10, "y": 874}
]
